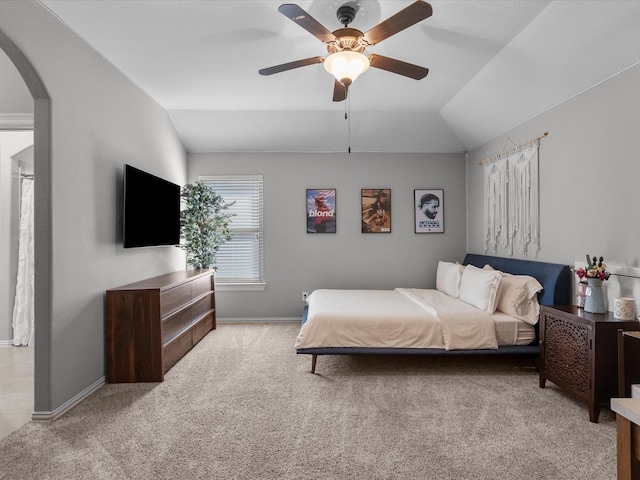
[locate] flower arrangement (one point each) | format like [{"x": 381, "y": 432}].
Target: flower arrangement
[{"x": 596, "y": 268}]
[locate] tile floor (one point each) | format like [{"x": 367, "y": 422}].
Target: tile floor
[{"x": 16, "y": 388}]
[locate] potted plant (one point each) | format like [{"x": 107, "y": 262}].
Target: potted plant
[{"x": 204, "y": 224}]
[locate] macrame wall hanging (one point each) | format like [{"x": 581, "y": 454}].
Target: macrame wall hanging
[{"x": 511, "y": 200}]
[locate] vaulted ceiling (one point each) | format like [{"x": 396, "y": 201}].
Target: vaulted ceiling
[{"x": 493, "y": 64}]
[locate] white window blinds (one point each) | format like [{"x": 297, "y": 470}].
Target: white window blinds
[{"x": 240, "y": 259}]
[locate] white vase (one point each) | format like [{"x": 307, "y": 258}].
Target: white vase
[{"x": 594, "y": 301}]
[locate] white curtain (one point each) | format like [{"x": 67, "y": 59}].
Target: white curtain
[
  {"x": 511, "y": 204},
  {"x": 23, "y": 317}
]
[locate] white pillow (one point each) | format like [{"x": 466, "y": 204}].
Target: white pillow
[
  {"x": 479, "y": 288},
  {"x": 519, "y": 297},
  {"x": 448, "y": 278}
]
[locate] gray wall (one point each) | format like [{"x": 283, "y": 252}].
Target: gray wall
[
  {"x": 100, "y": 120},
  {"x": 296, "y": 261},
  {"x": 589, "y": 173},
  {"x": 14, "y": 96}
]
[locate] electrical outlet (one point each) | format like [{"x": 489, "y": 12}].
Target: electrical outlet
[{"x": 304, "y": 296}]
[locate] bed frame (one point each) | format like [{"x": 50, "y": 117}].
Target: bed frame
[{"x": 556, "y": 283}]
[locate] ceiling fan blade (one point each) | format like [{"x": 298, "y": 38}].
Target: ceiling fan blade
[
  {"x": 290, "y": 66},
  {"x": 397, "y": 66},
  {"x": 414, "y": 13},
  {"x": 306, "y": 21},
  {"x": 339, "y": 92}
]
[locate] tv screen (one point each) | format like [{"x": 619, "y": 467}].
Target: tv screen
[{"x": 151, "y": 210}]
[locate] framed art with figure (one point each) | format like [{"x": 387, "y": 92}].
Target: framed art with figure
[
  {"x": 376, "y": 210},
  {"x": 429, "y": 210},
  {"x": 321, "y": 210}
]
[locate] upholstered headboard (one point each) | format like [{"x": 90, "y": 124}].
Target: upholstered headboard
[{"x": 555, "y": 278}]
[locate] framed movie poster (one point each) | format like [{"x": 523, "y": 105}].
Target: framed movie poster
[
  {"x": 376, "y": 210},
  {"x": 429, "y": 211},
  {"x": 321, "y": 210}
]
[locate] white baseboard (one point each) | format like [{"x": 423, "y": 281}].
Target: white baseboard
[
  {"x": 259, "y": 320},
  {"x": 6, "y": 343},
  {"x": 69, "y": 404}
]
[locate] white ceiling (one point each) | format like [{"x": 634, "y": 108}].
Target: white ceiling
[{"x": 493, "y": 65}]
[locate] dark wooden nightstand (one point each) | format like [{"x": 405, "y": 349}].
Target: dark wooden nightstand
[{"x": 579, "y": 353}]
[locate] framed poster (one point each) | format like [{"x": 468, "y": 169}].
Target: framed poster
[
  {"x": 376, "y": 210},
  {"x": 429, "y": 211},
  {"x": 321, "y": 210}
]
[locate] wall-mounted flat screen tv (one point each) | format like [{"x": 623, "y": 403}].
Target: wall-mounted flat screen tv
[{"x": 151, "y": 210}]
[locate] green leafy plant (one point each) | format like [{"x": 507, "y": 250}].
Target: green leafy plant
[{"x": 204, "y": 224}]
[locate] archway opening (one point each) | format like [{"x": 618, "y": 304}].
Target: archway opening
[{"x": 42, "y": 225}]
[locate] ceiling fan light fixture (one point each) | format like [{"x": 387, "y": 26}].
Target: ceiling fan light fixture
[{"x": 346, "y": 65}]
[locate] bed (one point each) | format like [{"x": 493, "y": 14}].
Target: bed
[{"x": 436, "y": 321}]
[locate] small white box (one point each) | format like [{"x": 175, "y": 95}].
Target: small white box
[{"x": 635, "y": 391}]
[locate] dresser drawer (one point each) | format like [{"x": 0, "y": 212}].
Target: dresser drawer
[
  {"x": 175, "y": 324},
  {"x": 201, "y": 307},
  {"x": 173, "y": 298},
  {"x": 175, "y": 350},
  {"x": 201, "y": 328},
  {"x": 200, "y": 286}
]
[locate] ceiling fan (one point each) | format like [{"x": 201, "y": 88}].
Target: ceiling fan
[{"x": 346, "y": 45}]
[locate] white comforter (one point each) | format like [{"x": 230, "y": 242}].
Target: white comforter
[{"x": 400, "y": 318}]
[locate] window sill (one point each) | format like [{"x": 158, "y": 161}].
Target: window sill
[{"x": 240, "y": 287}]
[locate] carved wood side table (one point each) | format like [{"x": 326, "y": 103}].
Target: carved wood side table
[{"x": 579, "y": 353}]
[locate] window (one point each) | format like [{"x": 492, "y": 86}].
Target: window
[{"x": 239, "y": 261}]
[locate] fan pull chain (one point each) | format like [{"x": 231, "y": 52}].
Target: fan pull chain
[{"x": 347, "y": 117}]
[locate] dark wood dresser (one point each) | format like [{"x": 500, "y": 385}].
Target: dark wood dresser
[
  {"x": 579, "y": 353},
  {"x": 153, "y": 323}
]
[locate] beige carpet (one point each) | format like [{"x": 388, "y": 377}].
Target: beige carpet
[{"x": 242, "y": 405}]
